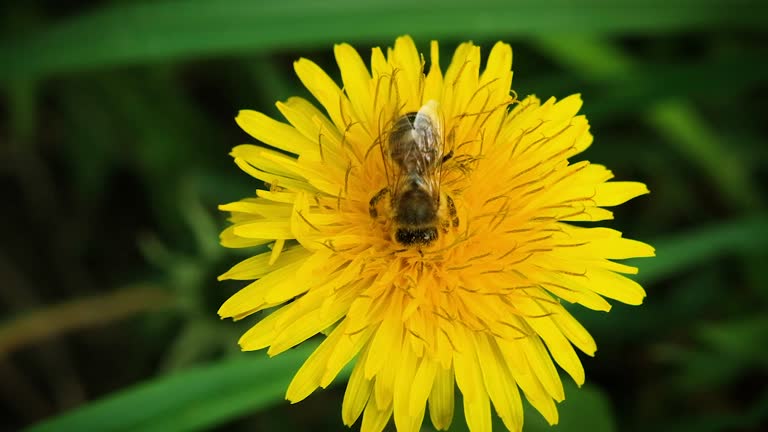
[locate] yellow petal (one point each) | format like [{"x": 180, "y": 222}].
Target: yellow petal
[
  {"x": 441, "y": 399},
  {"x": 465, "y": 83},
  {"x": 502, "y": 388},
  {"x": 375, "y": 418},
  {"x": 344, "y": 351},
  {"x": 384, "y": 384},
  {"x": 422, "y": 384},
  {"x": 499, "y": 67},
  {"x": 615, "y": 286},
  {"x": 258, "y": 265},
  {"x": 251, "y": 298},
  {"x": 600, "y": 242},
  {"x": 322, "y": 88},
  {"x": 590, "y": 214},
  {"x": 259, "y": 207},
  {"x": 261, "y": 335},
  {"x": 357, "y": 81},
  {"x": 477, "y": 406},
  {"x": 229, "y": 239},
  {"x": 358, "y": 392},
  {"x": 274, "y": 133},
  {"x": 574, "y": 290},
  {"x": 539, "y": 316},
  {"x": 310, "y": 121},
  {"x": 316, "y": 127},
  {"x": 406, "y": 370},
  {"x": 433, "y": 84},
  {"x": 528, "y": 381},
  {"x": 541, "y": 364},
  {"x": 313, "y": 321},
  {"x": 268, "y": 160},
  {"x": 388, "y": 338},
  {"x": 307, "y": 379},
  {"x": 566, "y": 109},
  {"x": 277, "y": 249},
  {"x": 615, "y": 193},
  {"x": 574, "y": 331},
  {"x": 406, "y": 61},
  {"x": 270, "y": 229},
  {"x": 494, "y": 85},
  {"x": 280, "y": 197}
]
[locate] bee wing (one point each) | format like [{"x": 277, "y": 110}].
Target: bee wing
[{"x": 428, "y": 119}]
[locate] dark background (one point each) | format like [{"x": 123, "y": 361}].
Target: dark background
[{"x": 115, "y": 127}]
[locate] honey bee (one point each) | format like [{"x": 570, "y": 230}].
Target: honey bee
[{"x": 414, "y": 157}]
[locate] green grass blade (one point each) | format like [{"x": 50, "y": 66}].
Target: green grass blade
[
  {"x": 684, "y": 251},
  {"x": 673, "y": 118},
  {"x": 195, "y": 399},
  {"x": 679, "y": 123},
  {"x": 585, "y": 408},
  {"x": 609, "y": 95},
  {"x": 174, "y": 30},
  {"x": 694, "y": 251}
]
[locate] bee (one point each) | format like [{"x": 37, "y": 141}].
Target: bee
[{"x": 414, "y": 157}]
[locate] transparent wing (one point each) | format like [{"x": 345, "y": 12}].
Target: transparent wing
[
  {"x": 429, "y": 123},
  {"x": 414, "y": 149}
]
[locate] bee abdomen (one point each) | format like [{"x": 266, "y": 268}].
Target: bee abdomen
[
  {"x": 411, "y": 236},
  {"x": 415, "y": 207}
]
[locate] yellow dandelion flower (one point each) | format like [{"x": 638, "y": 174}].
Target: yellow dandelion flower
[{"x": 422, "y": 223}]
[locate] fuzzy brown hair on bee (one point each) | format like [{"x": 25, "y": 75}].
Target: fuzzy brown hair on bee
[{"x": 415, "y": 155}]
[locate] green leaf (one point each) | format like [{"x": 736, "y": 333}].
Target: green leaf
[
  {"x": 609, "y": 95},
  {"x": 693, "y": 137},
  {"x": 584, "y": 409},
  {"x": 741, "y": 420},
  {"x": 680, "y": 252},
  {"x": 671, "y": 115},
  {"x": 195, "y": 399},
  {"x": 675, "y": 254},
  {"x": 174, "y": 30},
  {"x": 726, "y": 352}
]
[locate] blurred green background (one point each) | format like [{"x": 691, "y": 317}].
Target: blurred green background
[{"x": 117, "y": 120}]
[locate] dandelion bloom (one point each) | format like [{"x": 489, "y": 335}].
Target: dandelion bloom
[{"x": 477, "y": 305}]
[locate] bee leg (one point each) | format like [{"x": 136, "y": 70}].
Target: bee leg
[
  {"x": 375, "y": 201},
  {"x": 448, "y": 156},
  {"x": 452, "y": 211}
]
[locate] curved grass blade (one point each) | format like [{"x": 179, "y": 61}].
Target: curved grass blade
[
  {"x": 175, "y": 30},
  {"x": 195, "y": 399},
  {"x": 684, "y": 251},
  {"x": 675, "y": 119}
]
